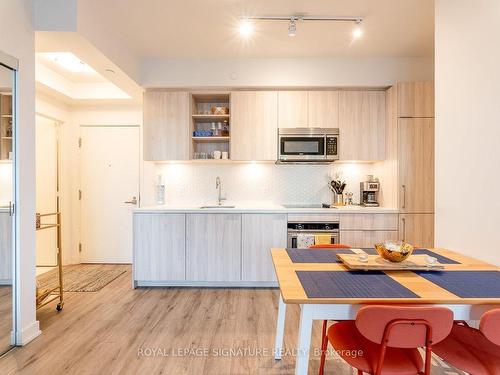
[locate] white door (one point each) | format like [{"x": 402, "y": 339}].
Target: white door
[
  {"x": 46, "y": 189},
  {"x": 109, "y": 179}
]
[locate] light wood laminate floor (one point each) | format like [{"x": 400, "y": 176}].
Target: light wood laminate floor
[{"x": 104, "y": 333}]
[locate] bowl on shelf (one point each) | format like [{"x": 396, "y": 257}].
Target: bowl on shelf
[
  {"x": 394, "y": 251},
  {"x": 219, "y": 110}
]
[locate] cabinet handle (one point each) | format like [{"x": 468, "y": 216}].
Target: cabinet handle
[
  {"x": 11, "y": 208},
  {"x": 404, "y": 196},
  {"x": 404, "y": 229}
]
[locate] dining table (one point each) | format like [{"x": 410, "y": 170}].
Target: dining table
[{"x": 326, "y": 289}]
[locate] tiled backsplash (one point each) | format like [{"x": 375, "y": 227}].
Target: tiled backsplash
[{"x": 195, "y": 183}]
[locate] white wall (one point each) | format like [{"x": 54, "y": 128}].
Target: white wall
[
  {"x": 366, "y": 72},
  {"x": 17, "y": 40},
  {"x": 468, "y": 127}
]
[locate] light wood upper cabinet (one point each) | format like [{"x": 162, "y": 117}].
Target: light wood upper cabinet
[
  {"x": 254, "y": 125},
  {"x": 362, "y": 125},
  {"x": 292, "y": 109},
  {"x": 166, "y": 130},
  {"x": 416, "y": 164},
  {"x": 323, "y": 109},
  {"x": 213, "y": 247},
  {"x": 159, "y": 247},
  {"x": 260, "y": 233},
  {"x": 417, "y": 229},
  {"x": 416, "y": 99}
]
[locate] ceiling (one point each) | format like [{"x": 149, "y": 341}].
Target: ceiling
[{"x": 196, "y": 29}]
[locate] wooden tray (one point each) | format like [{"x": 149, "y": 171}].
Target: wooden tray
[{"x": 375, "y": 262}]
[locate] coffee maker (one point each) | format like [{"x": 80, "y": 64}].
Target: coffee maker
[{"x": 368, "y": 193}]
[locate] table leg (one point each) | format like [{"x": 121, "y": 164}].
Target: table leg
[
  {"x": 280, "y": 328},
  {"x": 304, "y": 342}
]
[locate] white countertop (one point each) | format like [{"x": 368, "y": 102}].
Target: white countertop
[{"x": 246, "y": 207}]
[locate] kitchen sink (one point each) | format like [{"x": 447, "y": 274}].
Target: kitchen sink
[{"x": 216, "y": 206}]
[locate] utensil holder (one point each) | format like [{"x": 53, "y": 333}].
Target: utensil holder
[{"x": 339, "y": 199}]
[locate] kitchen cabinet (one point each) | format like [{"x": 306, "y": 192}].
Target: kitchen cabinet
[
  {"x": 323, "y": 109},
  {"x": 292, "y": 109},
  {"x": 416, "y": 99},
  {"x": 166, "y": 126},
  {"x": 213, "y": 247},
  {"x": 254, "y": 125},
  {"x": 417, "y": 229},
  {"x": 159, "y": 247},
  {"x": 369, "y": 222},
  {"x": 362, "y": 124},
  {"x": 5, "y": 248},
  {"x": 260, "y": 233},
  {"x": 416, "y": 164},
  {"x": 366, "y": 238}
]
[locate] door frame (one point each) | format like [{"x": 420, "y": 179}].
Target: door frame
[{"x": 139, "y": 161}]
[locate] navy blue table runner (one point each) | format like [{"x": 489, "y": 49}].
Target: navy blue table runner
[
  {"x": 466, "y": 284},
  {"x": 316, "y": 255},
  {"x": 352, "y": 284}
]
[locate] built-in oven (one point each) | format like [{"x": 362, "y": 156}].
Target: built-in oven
[
  {"x": 305, "y": 145},
  {"x": 304, "y": 234}
]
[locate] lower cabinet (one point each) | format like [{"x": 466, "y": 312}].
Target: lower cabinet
[
  {"x": 366, "y": 238},
  {"x": 417, "y": 229},
  {"x": 260, "y": 233},
  {"x": 213, "y": 247},
  {"x": 159, "y": 247}
]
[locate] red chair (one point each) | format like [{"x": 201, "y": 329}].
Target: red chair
[
  {"x": 324, "y": 338},
  {"x": 476, "y": 351},
  {"x": 330, "y": 246},
  {"x": 385, "y": 339}
]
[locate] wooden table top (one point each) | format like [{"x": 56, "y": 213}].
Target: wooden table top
[{"x": 293, "y": 292}]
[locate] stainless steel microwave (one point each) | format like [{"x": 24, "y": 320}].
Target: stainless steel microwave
[{"x": 308, "y": 145}]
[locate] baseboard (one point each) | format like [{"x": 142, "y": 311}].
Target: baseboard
[
  {"x": 28, "y": 334},
  {"x": 207, "y": 284}
]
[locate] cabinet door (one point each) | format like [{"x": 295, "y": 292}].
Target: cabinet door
[
  {"x": 166, "y": 127},
  {"x": 416, "y": 165},
  {"x": 254, "y": 125},
  {"x": 159, "y": 247},
  {"x": 417, "y": 229},
  {"x": 323, "y": 109},
  {"x": 292, "y": 109},
  {"x": 213, "y": 247},
  {"x": 362, "y": 125},
  {"x": 366, "y": 238},
  {"x": 260, "y": 233},
  {"x": 416, "y": 99},
  {"x": 5, "y": 248}
]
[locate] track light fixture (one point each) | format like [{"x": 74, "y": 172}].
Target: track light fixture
[{"x": 292, "y": 22}]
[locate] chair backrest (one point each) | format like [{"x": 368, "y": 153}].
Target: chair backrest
[
  {"x": 372, "y": 322},
  {"x": 490, "y": 326},
  {"x": 330, "y": 246}
]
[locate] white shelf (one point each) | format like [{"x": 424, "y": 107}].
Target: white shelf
[{"x": 211, "y": 139}]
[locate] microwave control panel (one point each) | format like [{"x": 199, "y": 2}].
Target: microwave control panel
[{"x": 331, "y": 147}]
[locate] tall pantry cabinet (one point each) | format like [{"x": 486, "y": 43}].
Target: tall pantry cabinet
[{"x": 411, "y": 144}]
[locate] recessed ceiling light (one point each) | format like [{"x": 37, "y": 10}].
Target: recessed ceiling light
[
  {"x": 69, "y": 62},
  {"x": 245, "y": 28},
  {"x": 292, "y": 27}
]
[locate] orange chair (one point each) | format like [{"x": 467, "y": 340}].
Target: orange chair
[
  {"x": 475, "y": 351},
  {"x": 386, "y": 338},
  {"x": 324, "y": 338}
]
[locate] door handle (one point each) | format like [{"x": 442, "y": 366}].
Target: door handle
[
  {"x": 404, "y": 196},
  {"x": 11, "y": 208},
  {"x": 404, "y": 229},
  {"x": 133, "y": 201}
]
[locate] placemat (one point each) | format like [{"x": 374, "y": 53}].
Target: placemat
[
  {"x": 466, "y": 284},
  {"x": 441, "y": 259},
  {"x": 351, "y": 284},
  {"x": 316, "y": 255}
]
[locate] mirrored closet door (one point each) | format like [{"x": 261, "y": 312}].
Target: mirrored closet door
[{"x": 7, "y": 198}]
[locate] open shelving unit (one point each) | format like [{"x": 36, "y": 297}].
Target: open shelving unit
[
  {"x": 5, "y": 125},
  {"x": 202, "y": 118}
]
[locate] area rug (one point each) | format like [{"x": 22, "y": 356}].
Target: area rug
[{"x": 82, "y": 277}]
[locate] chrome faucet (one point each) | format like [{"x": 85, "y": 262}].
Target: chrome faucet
[{"x": 218, "y": 185}]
